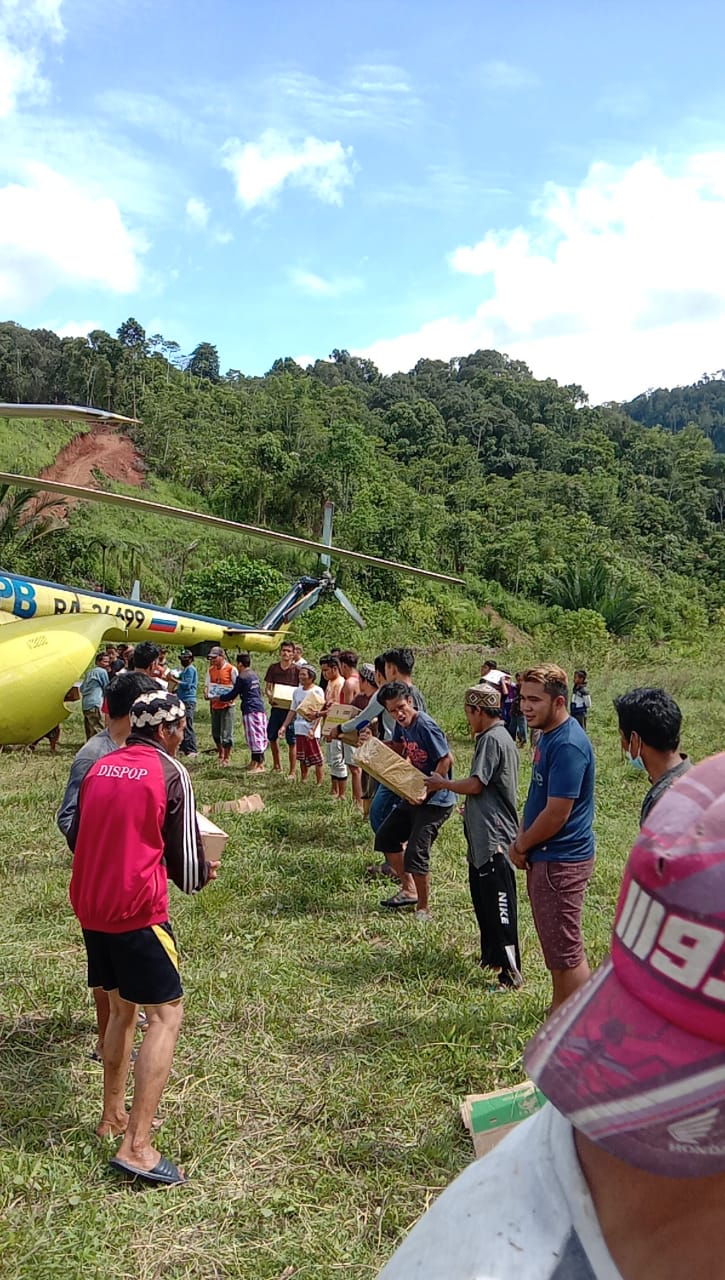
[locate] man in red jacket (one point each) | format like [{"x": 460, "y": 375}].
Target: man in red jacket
[{"x": 135, "y": 825}]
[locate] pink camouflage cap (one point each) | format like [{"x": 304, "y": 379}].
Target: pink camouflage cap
[{"x": 636, "y": 1058}]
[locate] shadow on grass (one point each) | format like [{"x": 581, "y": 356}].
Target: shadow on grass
[
  {"x": 303, "y": 880},
  {"x": 299, "y": 830},
  {"x": 459, "y": 1029},
  {"x": 38, "y": 1054},
  {"x": 407, "y": 965}
]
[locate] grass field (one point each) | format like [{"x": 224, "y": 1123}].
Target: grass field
[
  {"x": 29, "y": 444},
  {"x": 315, "y": 1091}
]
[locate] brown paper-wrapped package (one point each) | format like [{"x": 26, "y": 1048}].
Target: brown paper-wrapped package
[
  {"x": 311, "y": 705},
  {"x": 392, "y": 770}
]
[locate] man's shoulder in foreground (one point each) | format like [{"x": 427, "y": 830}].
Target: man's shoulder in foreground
[
  {"x": 663, "y": 784},
  {"x": 521, "y": 1213},
  {"x": 101, "y": 744}
]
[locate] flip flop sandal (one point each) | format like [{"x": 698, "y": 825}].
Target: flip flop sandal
[
  {"x": 165, "y": 1172},
  {"x": 399, "y": 902}
]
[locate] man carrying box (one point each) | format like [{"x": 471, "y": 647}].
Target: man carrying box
[
  {"x": 282, "y": 672},
  {"x": 333, "y": 686},
  {"x": 219, "y": 679},
  {"x": 307, "y": 732},
  {"x": 134, "y": 829},
  {"x": 413, "y": 827}
]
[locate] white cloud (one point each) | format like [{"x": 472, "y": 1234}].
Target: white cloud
[
  {"x": 53, "y": 232},
  {"x": 318, "y": 286},
  {"x": 99, "y": 161},
  {"x": 197, "y": 212},
  {"x": 618, "y": 284},
  {"x": 77, "y": 328},
  {"x": 260, "y": 169},
  {"x": 150, "y": 113},
  {"x": 507, "y": 76},
  {"x": 223, "y": 237},
  {"x": 373, "y": 96},
  {"x": 25, "y": 27}
]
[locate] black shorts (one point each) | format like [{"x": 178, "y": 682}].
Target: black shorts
[
  {"x": 277, "y": 717},
  {"x": 418, "y": 824},
  {"x": 143, "y": 964}
]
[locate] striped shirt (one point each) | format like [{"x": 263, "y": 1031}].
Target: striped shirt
[{"x": 134, "y": 827}]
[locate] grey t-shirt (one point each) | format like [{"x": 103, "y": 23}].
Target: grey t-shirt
[
  {"x": 663, "y": 784},
  {"x": 100, "y": 745},
  {"x": 376, "y": 708},
  {"x": 490, "y": 820}
]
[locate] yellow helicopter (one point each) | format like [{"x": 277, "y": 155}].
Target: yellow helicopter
[{"x": 49, "y": 632}]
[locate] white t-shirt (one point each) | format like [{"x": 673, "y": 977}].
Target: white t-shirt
[
  {"x": 303, "y": 728},
  {"x": 523, "y": 1212}
]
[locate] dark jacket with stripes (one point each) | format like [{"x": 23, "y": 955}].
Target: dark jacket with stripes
[{"x": 135, "y": 826}]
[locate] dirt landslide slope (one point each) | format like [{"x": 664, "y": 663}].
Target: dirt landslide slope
[{"x": 100, "y": 449}]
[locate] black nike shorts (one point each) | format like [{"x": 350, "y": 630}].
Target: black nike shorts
[{"x": 143, "y": 964}]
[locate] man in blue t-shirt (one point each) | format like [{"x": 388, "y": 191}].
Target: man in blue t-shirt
[
  {"x": 93, "y": 691},
  {"x": 186, "y": 689},
  {"x": 555, "y": 842},
  {"x": 413, "y": 827}
]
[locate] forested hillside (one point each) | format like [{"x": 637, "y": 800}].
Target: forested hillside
[
  {"x": 472, "y": 466},
  {"x": 702, "y": 403}
]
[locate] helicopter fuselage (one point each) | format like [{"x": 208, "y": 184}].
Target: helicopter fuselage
[{"x": 135, "y": 620}]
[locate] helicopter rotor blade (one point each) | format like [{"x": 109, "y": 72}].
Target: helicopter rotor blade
[
  {"x": 66, "y": 412},
  {"x": 327, "y": 531},
  {"x": 349, "y": 607},
  {"x": 307, "y": 602},
  {"x": 84, "y": 494}
]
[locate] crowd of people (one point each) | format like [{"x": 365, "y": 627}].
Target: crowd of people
[{"x": 129, "y": 816}]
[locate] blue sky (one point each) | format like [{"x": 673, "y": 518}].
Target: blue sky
[{"x": 401, "y": 179}]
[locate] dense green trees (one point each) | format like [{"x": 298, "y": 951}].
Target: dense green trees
[
  {"x": 702, "y": 403},
  {"x": 471, "y": 466},
  {"x": 204, "y": 362}
]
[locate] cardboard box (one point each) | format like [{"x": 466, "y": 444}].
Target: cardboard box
[
  {"x": 212, "y": 838},
  {"x": 392, "y": 770},
  {"x": 282, "y": 696},
  {"x": 311, "y": 705},
  {"x": 490, "y": 1116},
  {"x": 335, "y": 716},
  {"x": 244, "y": 804}
]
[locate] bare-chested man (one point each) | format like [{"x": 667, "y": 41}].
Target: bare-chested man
[
  {"x": 348, "y": 660},
  {"x": 334, "y": 755}
]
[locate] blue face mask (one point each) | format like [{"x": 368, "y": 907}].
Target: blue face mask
[{"x": 636, "y": 761}]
